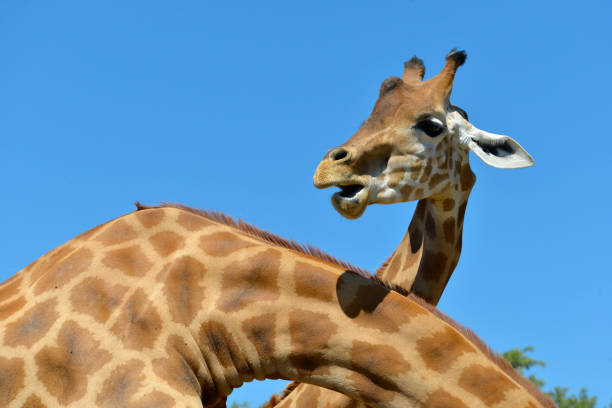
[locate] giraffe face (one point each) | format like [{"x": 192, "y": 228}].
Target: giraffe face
[
  {"x": 414, "y": 145},
  {"x": 404, "y": 151}
]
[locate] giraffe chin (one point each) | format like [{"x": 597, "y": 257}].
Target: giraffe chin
[{"x": 351, "y": 202}]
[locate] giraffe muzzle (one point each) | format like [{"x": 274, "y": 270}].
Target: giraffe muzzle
[{"x": 351, "y": 201}]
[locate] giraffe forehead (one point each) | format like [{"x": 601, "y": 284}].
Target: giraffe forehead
[{"x": 396, "y": 110}]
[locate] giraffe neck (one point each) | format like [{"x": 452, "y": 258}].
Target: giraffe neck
[
  {"x": 429, "y": 252},
  {"x": 168, "y": 308}
]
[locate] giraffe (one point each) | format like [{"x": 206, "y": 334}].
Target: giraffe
[
  {"x": 171, "y": 307},
  {"x": 414, "y": 146}
]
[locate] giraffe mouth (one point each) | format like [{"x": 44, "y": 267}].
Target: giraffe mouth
[
  {"x": 349, "y": 191},
  {"x": 351, "y": 201}
]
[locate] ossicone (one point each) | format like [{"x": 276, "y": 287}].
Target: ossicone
[
  {"x": 456, "y": 56},
  {"x": 414, "y": 70}
]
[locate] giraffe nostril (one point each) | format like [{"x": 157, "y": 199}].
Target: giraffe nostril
[{"x": 339, "y": 154}]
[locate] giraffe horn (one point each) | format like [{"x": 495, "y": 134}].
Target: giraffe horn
[
  {"x": 442, "y": 83},
  {"x": 414, "y": 70}
]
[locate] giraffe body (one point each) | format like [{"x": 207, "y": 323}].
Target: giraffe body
[
  {"x": 165, "y": 307},
  {"x": 414, "y": 146}
]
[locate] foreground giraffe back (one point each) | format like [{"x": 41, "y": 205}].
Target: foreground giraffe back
[{"x": 169, "y": 308}]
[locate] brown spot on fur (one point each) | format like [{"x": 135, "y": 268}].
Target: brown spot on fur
[
  {"x": 313, "y": 282},
  {"x": 426, "y": 172},
  {"x": 467, "y": 178},
  {"x": 10, "y": 308},
  {"x": 366, "y": 357},
  {"x": 370, "y": 304},
  {"x": 420, "y": 210},
  {"x": 418, "y": 192},
  {"x": 139, "y": 324},
  {"x": 416, "y": 239},
  {"x": 432, "y": 265},
  {"x": 430, "y": 226},
  {"x": 64, "y": 368},
  {"x": 216, "y": 337},
  {"x": 461, "y": 214},
  {"x": 449, "y": 230},
  {"x": 440, "y": 350},
  {"x": 192, "y": 222},
  {"x": 70, "y": 267},
  {"x": 459, "y": 243},
  {"x": 32, "y": 326},
  {"x": 131, "y": 261},
  {"x": 97, "y": 298},
  {"x": 368, "y": 390},
  {"x": 457, "y": 167},
  {"x": 10, "y": 287},
  {"x": 125, "y": 381},
  {"x": 223, "y": 243},
  {"x": 33, "y": 402},
  {"x": 309, "y": 332},
  {"x": 260, "y": 330},
  {"x": 486, "y": 383},
  {"x": 167, "y": 242},
  {"x": 180, "y": 368},
  {"x": 436, "y": 179},
  {"x": 116, "y": 233},
  {"x": 453, "y": 265},
  {"x": 150, "y": 218},
  {"x": 48, "y": 261},
  {"x": 254, "y": 279},
  {"x": 442, "y": 399},
  {"x": 448, "y": 204},
  {"x": 183, "y": 288},
  {"x": 11, "y": 380},
  {"x": 395, "y": 179},
  {"x": 443, "y": 162}
]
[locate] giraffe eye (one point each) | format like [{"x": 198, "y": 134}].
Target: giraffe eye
[{"x": 431, "y": 126}]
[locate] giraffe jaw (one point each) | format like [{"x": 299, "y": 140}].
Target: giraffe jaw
[{"x": 352, "y": 200}]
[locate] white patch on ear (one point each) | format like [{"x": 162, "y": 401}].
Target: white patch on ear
[{"x": 495, "y": 150}]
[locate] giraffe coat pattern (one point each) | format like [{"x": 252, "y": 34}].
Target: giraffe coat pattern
[{"x": 177, "y": 320}]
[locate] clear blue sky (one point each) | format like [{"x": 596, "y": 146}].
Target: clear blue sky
[{"x": 231, "y": 108}]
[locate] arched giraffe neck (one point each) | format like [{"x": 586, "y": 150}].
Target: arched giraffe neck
[
  {"x": 167, "y": 308},
  {"x": 429, "y": 252}
]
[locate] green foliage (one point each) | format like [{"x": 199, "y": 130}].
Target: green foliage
[
  {"x": 521, "y": 362},
  {"x": 582, "y": 400}
]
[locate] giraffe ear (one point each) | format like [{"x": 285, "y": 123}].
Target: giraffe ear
[
  {"x": 495, "y": 150},
  {"x": 499, "y": 151}
]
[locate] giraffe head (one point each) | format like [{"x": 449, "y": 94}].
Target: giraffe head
[{"x": 414, "y": 145}]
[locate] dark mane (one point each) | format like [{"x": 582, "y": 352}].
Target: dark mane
[
  {"x": 270, "y": 238},
  {"x": 260, "y": 234}
]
